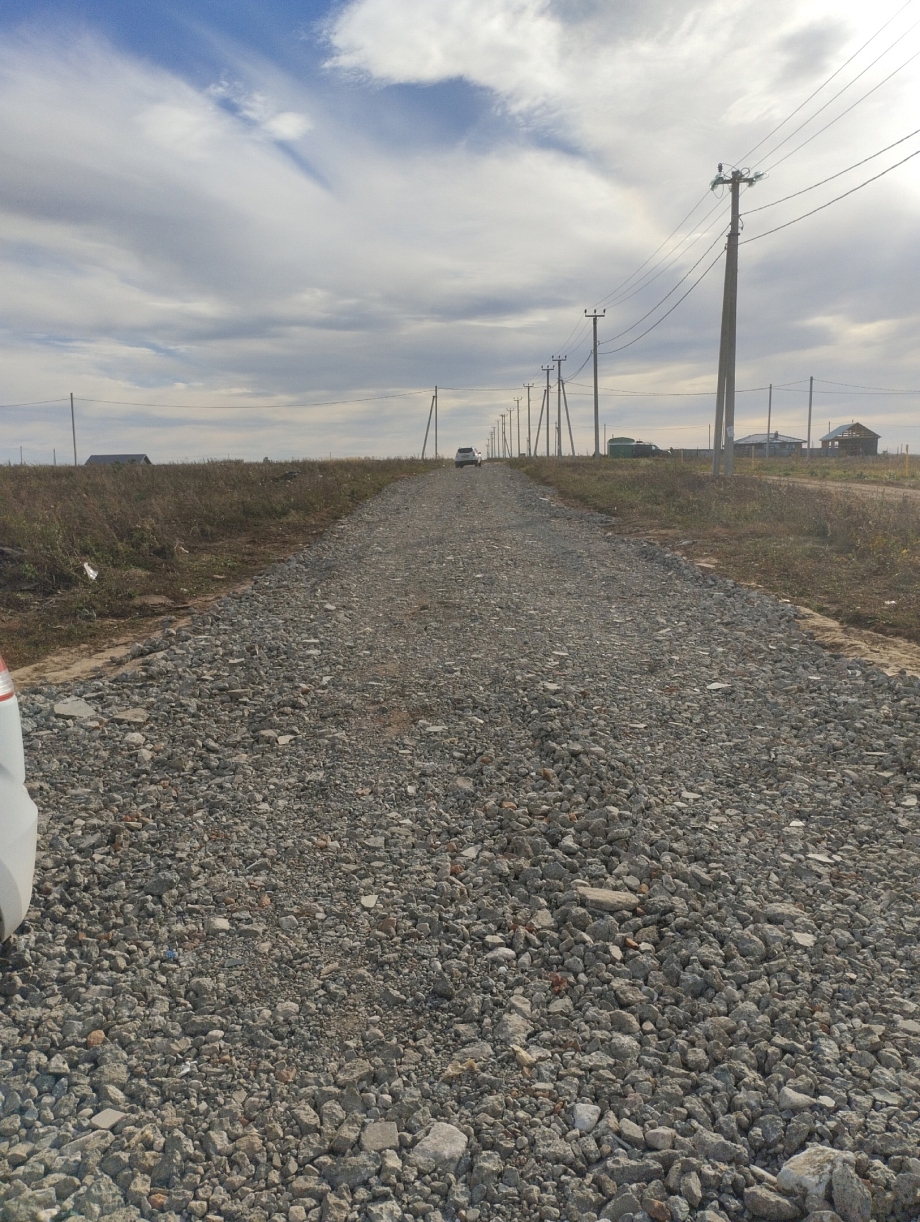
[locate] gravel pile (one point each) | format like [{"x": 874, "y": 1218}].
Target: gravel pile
[{"x": 475, "y": 864}]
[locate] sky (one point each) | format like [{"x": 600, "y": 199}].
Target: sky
[{"x": 268, "y": 229}]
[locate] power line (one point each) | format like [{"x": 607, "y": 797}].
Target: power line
[
  {"x": 648, "y": 278},
  {"x": 825, "y": 83},
  {"x": 837, "y": 118},
  {"x": 33, "y": 403},
  {"x": 836, "y": 199},
  {"x": 877, "y": 390},
  {"x": 830, "y": 178},
  {"x": 698, "y": 280},
  {"x": 220, "y": 407},
  {"x": 839, "y": 93},
  {"x": 678, "y": 394},
  {"x": 638, "y": 321}
]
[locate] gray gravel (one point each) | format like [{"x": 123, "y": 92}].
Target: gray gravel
[{"x": 475, "y": 864}]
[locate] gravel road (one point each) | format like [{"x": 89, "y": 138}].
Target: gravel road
[{"x": 475, "y": 864}]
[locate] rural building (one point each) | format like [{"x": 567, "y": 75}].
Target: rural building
[
  {"x": 850, "y": 441},
  {"x": 780, "y": 446},
  {"x": 108, "y": 460}
]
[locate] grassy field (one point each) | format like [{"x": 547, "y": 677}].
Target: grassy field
[
  {"x": 896, "y": 470},
  {"x": 158, "y": 537},
  {"x": 853, "y": 558}
]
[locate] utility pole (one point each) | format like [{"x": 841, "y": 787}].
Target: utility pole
[
  {"x": 518, "y": 402},
  {"x": 769, "y": 415},
  {"x": 547, "y": 369},
  {"x": 431, "y": 412},
  {"x": 73, "y": 429},
  {"x": 436, "y": 424},
  {"x": 811, "y": 391},
  {"x": 597, "y": 428},
  {"x": 724, "y": 431},
  {"x": 527, "y": 387},
  {"x": 559, "y": 360}
]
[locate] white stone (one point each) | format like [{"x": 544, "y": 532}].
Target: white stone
[
  {"x": 441, "y": 1149},
  {"x": 585, "y": 1116},
  {"x": 607, "y": 901},
  {"x": 810, "y": 1171},
  {"x": 75, "y": 707},
  {"x": 218, "y": 924},
  {"x": 513, "y": 1027},
  {"x": 369, "y": 901},
  {"x": 794, "y": 1101},
  {"x": 803, "y": 939},
  {"x": 107, "y": 1118}
]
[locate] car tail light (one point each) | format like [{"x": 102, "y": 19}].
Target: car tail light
[{"x": 6, "y": 682}]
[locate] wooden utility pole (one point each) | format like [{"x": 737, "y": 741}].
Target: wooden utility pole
[
  {"x": 527, "y": 387},
  {"x": 559, "y": 360},
  {"x": 597, "y": 428},
  {"x": 724, "y": 431}
]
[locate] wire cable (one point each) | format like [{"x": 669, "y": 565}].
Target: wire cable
[
  {"x": 830, "y": 101},
  {"x": 825, "y": 83},
  {"x": 835, "y": 200},
  {"x": 220, "y": 407},
  {"x": 659, "y": 321},
  {"x": 863, "y": 390},
  {"x": 830, "y": 178},
  {"x": 688, "y": 272},
  {"x": 823, "y": 129},
  {"x": 33, "y": 403}
]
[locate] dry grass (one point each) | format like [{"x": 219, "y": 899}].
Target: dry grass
[
  {"x": 895, "y": 470},
  {"x": 158, "y": 536},
  {"x": 854, "y": 558}
]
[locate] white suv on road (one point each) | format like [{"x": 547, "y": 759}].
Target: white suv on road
[
  {"x": 18, "y": 816},
  {"x": 467, "y": 456}
]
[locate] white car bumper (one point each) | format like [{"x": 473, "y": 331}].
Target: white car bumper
[{"x": 18, "y": 824}]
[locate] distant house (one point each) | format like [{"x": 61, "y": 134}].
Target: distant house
[
  {"x": 109, "y": 460},
  {"x": 850, "y": 441},
  {"x": 755, "y": 445}
]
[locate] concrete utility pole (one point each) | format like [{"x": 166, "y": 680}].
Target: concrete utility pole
[
  {"x": 559, "y": 360},
  {"x": 73, "y": 429},
  {"x": 724, "y": 431},
  {"x": 769, "y": 415},
  {"x": 518, "y": 402},
  {"x": 597, "y": 428},
  {"x": 547, "y": 369},
  {"x": 432, "y": 412},
  {"x": 527, "y": 387},
  {"x": 811, "y": 392}
]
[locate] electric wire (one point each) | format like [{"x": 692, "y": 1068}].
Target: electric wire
[
  {"x": 825, "y": 83},
  {"x": 836, "y": 199},
  {"x": 831, "y": 177},
  {"x": 830, "y": 101},
  {"x": 689, "y": 271},
  {"x": 33, "y": 403},
  {"x": 837, "y": 118},
  {"x": 659, "y": 321},
  {"x": 220, "y": 407}
]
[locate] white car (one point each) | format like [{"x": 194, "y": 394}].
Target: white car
[
  {"x": 467, "y": 456},
  {"x": 18, "y": 816}
]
